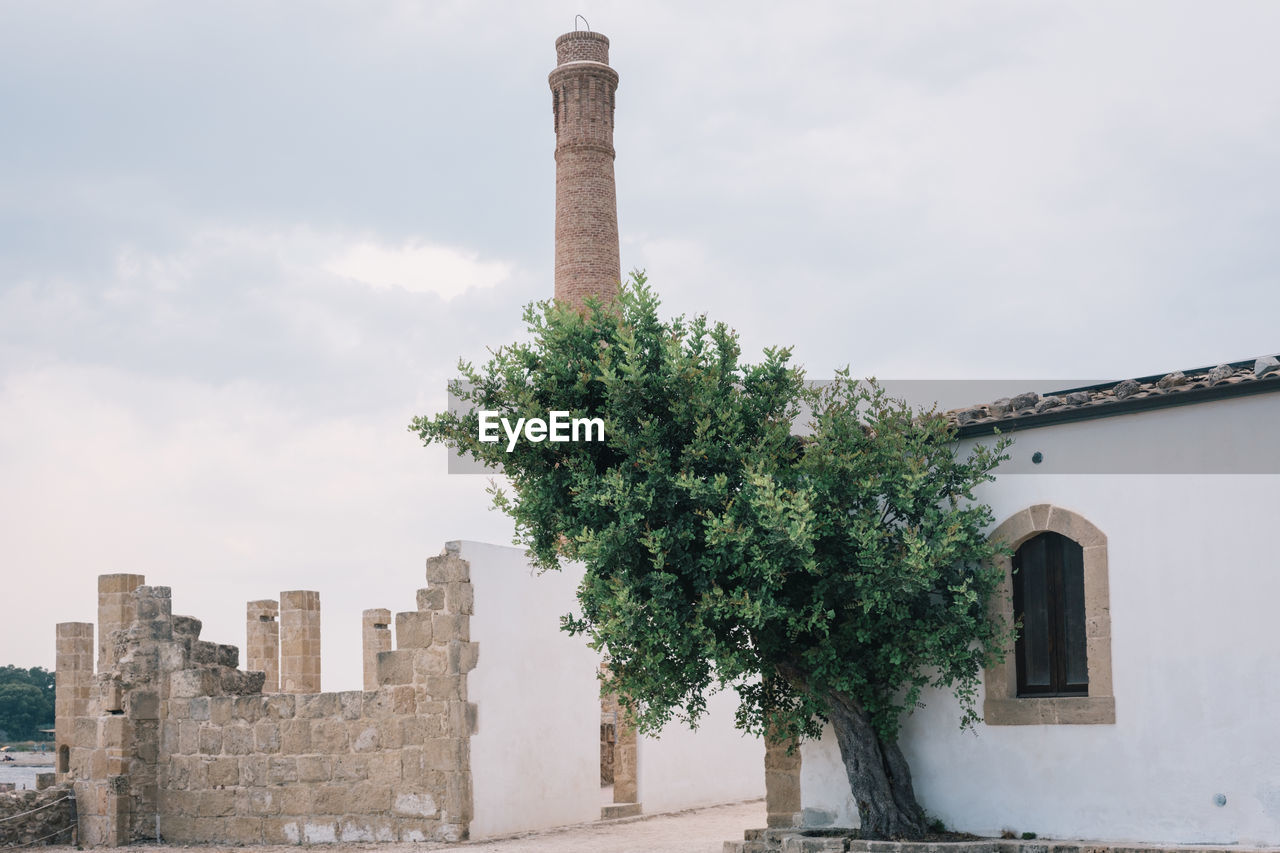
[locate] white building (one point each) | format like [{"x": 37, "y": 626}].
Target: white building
[{"x": 1151, "y": 713}]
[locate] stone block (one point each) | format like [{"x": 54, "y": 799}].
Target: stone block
[
  {"x": 413, "y": 629},
  {"x": 377, "y": 703},
  {"x": 221, "y": 709},
  {"x": 143, "y": 705},
  {"x": 314, "y": 768},
  {"x": 257, "y": 801},
  {"x": 445, "y": 753},
  {"x": 463, "y": 657},
  {"x": 431, "y": 598},
  {"x": 223, "y": 772},
  {"x": 111, "y": 696},
  {"x": 247, "y": 709},
  {"x": 315, "y": 706},
  {"x": 237, "y": 739},
  {"x": 404, "y": 699},
  {"x": 281, "y": 830},
  {"x": 227, "y": 655},
  {"x": 410, "y": 804},
  {"x": 319, "y": 831},
  {"x": 445, "y": 687},
  {"x": 297, "y": 800},
  {"x": 186, "y": 683},
  {"x": 333, "y": 800},
  {"x": 459, "y": 598},
  {"x": 197, "y": 708},
  {"x": 278, "y": 706},
  {"x": 282, "y": 770},
  {"x": 363, "y": 737},
  {"x": 351, "y": 704},
  {"x": 329, "y": 736},
  {"x": 390, "y": 735},
  {"x": 368, "y": 798},
  {"x": 458, "y": 797},
  {"x": 352, "y": 768},
  {"x": 115, "y": 732},
  {"x": 254, "y": 770},
  {"x": 430, "y": 661},
  {"x": 450, "y": 626},
  {"x": 210, "y": 738},
  {"x": 216, "y": 803},
  {"x": 395, "y": 667},
  {"x": 447, "y": 568},
  {"x": 266, "y": 737},
  {"x": 295, "y": 736},
  {"x": 241, "y": 830}
]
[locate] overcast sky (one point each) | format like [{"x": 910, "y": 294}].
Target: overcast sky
[{"x": 242, "y": 244}]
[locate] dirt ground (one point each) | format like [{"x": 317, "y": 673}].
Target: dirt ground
[{"x": 696, "y": 831}]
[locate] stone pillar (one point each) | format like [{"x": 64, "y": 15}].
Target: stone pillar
[
  {"x": 116, "y": 611},
  {"x": 781, "y": 783},
  {"x": 262, "y": 642},
  {"x": 582, "y": 94},
  {"x": 376, "y": 636},
  {"x": 625, "y": 781},
  {"x": 300, "y": 641},
  {"x": 73, "y": 676}
]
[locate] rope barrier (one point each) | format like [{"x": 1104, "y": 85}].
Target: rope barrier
[
  {"x": 37, "y": 840},
  {"x": 37, "y": 809}
]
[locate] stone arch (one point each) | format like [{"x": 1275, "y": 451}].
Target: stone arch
[{"x": 1002, "y": 706}]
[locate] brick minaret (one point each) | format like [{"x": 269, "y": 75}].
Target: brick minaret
[{"x": 582, "y": 87}]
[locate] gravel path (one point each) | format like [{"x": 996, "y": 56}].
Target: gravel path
[{"x": 698, "y": 831}]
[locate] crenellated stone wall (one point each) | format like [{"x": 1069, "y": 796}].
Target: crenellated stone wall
[{"x": 176, "y": 743}]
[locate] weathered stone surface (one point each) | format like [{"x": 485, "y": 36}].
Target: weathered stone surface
[
  {"x": 431, "y": 598},
  {"x": 1126, "y": 389},
  {"x": 1266, "y": 366},
  {"x": 1219, "y": 374},
  {"x": 1046, "y": 403},
  {"x": 1023, "y": 401},
  {"x": 36, "y": 817},
  {"x": 1077, "y": 398},
  {"x": 173, "y": 732},
  {"x": 1171, "y": 380}
]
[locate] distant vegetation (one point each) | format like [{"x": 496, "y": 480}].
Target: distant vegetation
[{"x": 26, "y": 702}]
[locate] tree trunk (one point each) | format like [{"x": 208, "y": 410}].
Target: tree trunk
[{"x": 878, "y": 774}]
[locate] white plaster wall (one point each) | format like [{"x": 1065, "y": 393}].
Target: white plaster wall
[
  {"x": 715, "y": 763},
  {"x": 1194, "y": 567},
  {"x": 535, "y": 758}
]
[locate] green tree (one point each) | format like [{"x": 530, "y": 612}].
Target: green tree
[
  {"x": 25, "y": 707},
  {"x": 829, "y": 577}
]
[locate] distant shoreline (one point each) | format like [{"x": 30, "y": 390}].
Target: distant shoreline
[{"x": 28, "y": 759}]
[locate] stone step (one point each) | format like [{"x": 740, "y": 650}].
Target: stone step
[{"x": 617, "y": 810}]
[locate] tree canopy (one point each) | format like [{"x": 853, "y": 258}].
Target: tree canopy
[
  {"x": 26, "y": 702},
  {"x": 815, "y": 547}
]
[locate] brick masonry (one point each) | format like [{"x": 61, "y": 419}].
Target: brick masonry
[
  {"x": 175, "y": 742},
  {"x": 582, "y": 103}
]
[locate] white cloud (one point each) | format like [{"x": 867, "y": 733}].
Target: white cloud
[{"x": 418, "y": 268}]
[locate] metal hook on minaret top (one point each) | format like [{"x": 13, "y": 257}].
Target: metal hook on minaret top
[{"x": 584, "y": 21}]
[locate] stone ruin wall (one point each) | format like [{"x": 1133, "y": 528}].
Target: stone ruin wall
[{"x": 171, "y": 740}]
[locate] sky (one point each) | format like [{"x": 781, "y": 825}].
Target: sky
[{"x": 243, "y": 244}]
